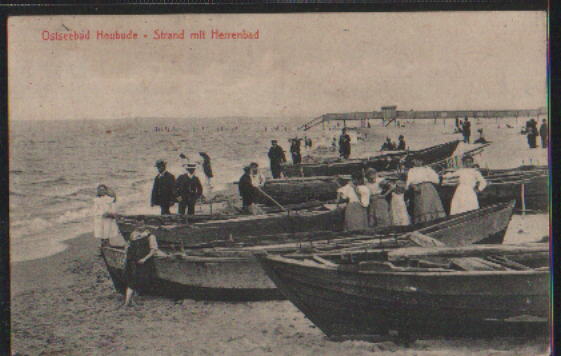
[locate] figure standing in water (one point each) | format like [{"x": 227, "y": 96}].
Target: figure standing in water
[
  {"x": 277, "y": 158},
  {"x": 139, "y": 262},
  {"x": 470, "y": 181},
  {"x": 163, "y": 191}
]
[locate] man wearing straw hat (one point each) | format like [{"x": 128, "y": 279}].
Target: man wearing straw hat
[
  {"x": 163, "y": 191},
  {"x": 188, "y": 189}
]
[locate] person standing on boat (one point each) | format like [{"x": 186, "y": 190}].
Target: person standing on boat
[
  {"x": 163, "y": 191},
  {"x": 401, "y": 146},
  {"x": 247, "y": 190},
  {"x": 544, "y": 133},
  {"x": 470, "y": 181},
  {"x": 188, "y": 190},
  {"x": 466, "y": 130},
  {"x": 427, "y": 205},
  {"x": 345, "y": 145},
  {"x": 295, "y": 151},
  {"x": 105, "y": 227},
  {"x": 140, "y": 269},
  {"x": 532, "y": 132},
  {"x": 207, "y": 168},
  {"x": 398, "y": 208},
  {"x": 277, "y": 158},
  {"x": 378, "y": 208},
  {"x": 357, "y": 196}
]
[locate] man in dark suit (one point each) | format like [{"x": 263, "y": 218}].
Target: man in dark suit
[
  {"x": 345, "y": 145},
  {"x": 163, "y": 191},
  {"x": 277, "y": 157},
  {"x": 188, "y": 189}
]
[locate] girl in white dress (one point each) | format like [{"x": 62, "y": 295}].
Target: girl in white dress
[
  {"x": 470, "y": 181},
  {"x": 105, "y": 226}
]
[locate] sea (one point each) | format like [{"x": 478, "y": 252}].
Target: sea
[{"x": 55, "y": 166}]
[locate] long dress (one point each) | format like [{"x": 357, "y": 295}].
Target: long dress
[
  {"x": 427, "y": 205},
  {"x": 104, "y": 228},
  {"x": 138, "y": 276},
  {"x": 356, "y": 217},
  {"x": 465, "y": 196},
  {"x": 378, "y": 209},
  {"x": 398, "y": 209}
]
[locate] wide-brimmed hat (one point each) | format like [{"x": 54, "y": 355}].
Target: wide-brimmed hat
[
  {"x": 160, "y": 162},
  {"x": 274, "y": 141},
  {"x": 467, "y": 157},
  {"x": 190, "y": 166},
  {"x": 253, "y": 165}
]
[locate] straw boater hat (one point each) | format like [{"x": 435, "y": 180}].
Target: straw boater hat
[{"x": 190, "y": 166}]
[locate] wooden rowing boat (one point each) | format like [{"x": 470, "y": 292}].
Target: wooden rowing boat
[
  {"x": 529, "y": 182},
  {"x": 414, "y": 297},
  {"x": 385, "y": 162},
  {"x": 227, "y": 270}
]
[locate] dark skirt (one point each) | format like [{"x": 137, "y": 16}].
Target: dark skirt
[
  {"x": 427, "y": 205},
  {"x": 356, "y": 217},
  {"x": 139, "y": 276},
  {"x": 378, "y": 211}
]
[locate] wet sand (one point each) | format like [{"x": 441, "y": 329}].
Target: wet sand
[{"x": 66, "y": 305}]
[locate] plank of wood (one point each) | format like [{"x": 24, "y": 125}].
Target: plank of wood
[
  {"x": 476, "y": 264},
  {"x": 466, "y": 251}
]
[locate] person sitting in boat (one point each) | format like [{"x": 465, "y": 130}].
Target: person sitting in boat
[
  {"x": 139, "y": 263},
  {"x": 388, "y": 145},
  {"x": 105, "y": 226},
  {"x": 398, "y": 208},
  {"x": 470, "y": 181},
  {"x": 426, "y": 203},
  {"x": 357, "y": 196},
  {"x": 378, "y": 208},
  {"x": 481, "y": 138}
]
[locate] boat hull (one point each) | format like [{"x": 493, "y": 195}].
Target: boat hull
[
  {"x": 345, "y": 304},
  {"x": 234, "y": 274},
  {"x": 204, "y": 278},
  {"x": 386, "y": 162}
]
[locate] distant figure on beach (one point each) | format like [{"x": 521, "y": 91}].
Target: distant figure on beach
[
  {"x": 295, "y": 151},
  {"x": 207, "y": 168},
  {"x": 470, "y": 181},
  {"x": 481, "y": 138},
  {"x": 105, "y": 226},
  {"x": 466, "y": 129},
  {"x": 334, "y": 144},
  {"x": 345, "y": 144},
  {"x": 378, "y": 208},
  {"x": 188, "y": 189},
  {"x": 427, "y": 205},
  {"x": 139, "y": 265},
  {"x": 163, "y": 191},
  {"x": 532, "y": 132},
  {"x": 544, "y": 133},
  {"x": 357, "y": 196},
  {"x": 401, "y": 146},
  {"x": 277, "y": 158}
]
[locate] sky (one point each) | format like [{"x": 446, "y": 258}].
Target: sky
[{"x": 302, "y": 65}]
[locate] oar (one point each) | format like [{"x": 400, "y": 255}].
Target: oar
[{"x": 271, "y": 199}]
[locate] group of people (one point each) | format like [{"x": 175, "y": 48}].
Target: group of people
[
  {"x": 390, "y": 145},
  {"x": 375, "y": 202},
  {"x": 249, "y": 187},
  {"x": 532, "y": 133}
]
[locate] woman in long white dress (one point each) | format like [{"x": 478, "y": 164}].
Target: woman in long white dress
[
  {"x": 427, "y": 205},
  {"x": 357, "y": 196},
  {"x": 378, "y": 210},
  {"x": 470, "y": 181},
  {"x": 399, "y": 214},
  {"x": 105, "y": 226}
]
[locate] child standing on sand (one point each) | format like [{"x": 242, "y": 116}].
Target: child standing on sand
[{"x": 105, "y": 226}]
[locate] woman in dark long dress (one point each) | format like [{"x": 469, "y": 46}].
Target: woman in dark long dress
[
  {"x": 139, "y": 268},
  {"x": 207, "y": 168}
]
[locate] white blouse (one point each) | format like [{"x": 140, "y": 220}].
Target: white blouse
[
  {"x": 418, "y": 175},
  {"x": 348, "y": 192},
  {"x": 468, "y": 177}
]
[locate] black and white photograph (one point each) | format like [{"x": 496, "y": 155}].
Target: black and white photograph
[{"x": 338, "y": 183}]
